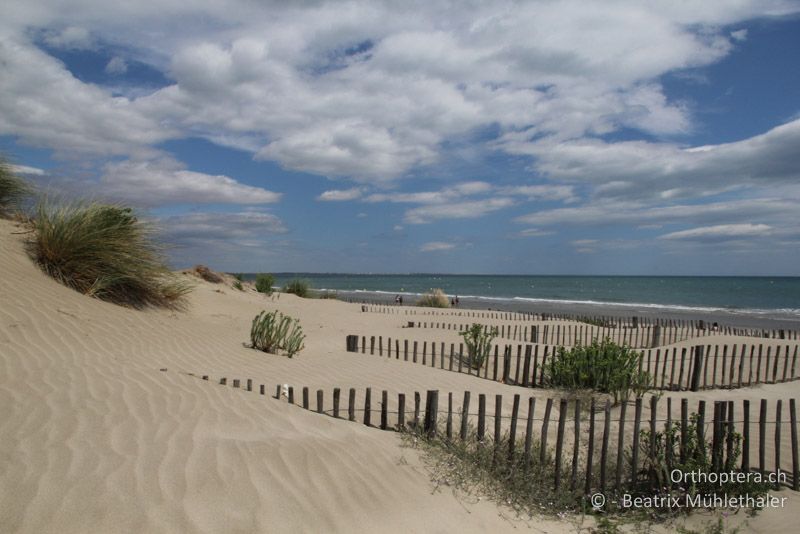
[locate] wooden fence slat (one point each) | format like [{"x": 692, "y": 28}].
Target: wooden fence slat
[
  {"x": 529, "y": 432},
  {"x": 637, "y": 420},
  {"x": 762, "y": 437},
  {"x": 604, "y": 448},
  {"x": 368, "y": 407},
  {"x": 481, "y": 416},
  {"x": 778, "y": 441},
  {"x": 545, "y": 424},
  {"x": 512, "y": 436},
  {"x": 464, "y": 416},
  {"x": 590, "y": 452},
  {"x": 793, "y": 434},
  {"x": 620, "y": 446},
  {"x": 576, "y": 444},
  {"x": 401, "y": 411},
  {"x": 562, "y": 417}
]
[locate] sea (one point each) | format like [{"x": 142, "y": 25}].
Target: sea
[{"x": 738, "y": 301}]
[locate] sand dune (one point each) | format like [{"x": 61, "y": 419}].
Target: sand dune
[{"x": 96, "y": 437}]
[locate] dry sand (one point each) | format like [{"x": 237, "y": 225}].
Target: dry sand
[{"x": 95, "y": 437}]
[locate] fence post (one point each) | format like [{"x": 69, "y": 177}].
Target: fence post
[
  {"x": 481, "y": 417},
  {"x": 368, "y": 407},
  {"x": 464, "y": 416},
  {"x": 545, "y": 424},
  {"x": 698, "y": 367},
  {"x": 512, "y": 437},
  {"x": 401, "y": 411}
]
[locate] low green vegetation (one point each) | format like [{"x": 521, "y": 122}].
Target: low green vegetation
[
  {"x": 237, "y": 284},
  {"x": 330, "y": 295},
  {"x": 264, "y": 283},
  {"x": 478, "y": 339},
  {"x": 106, "y": 252},
  {"x": 13, "y": 189},
  {"x": 435, "y": 299},
  {"x": 485, "y": 469},
  {"x": 526, "y": 482},
  {"x": 274, "y": 331},
  {"x": 298, "y": 287},
  {"x": 670, "y": 451},
  {"x": 604, "y": 367}
]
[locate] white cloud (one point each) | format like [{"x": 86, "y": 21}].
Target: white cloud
[
  {"x": 721, "y": 232},
  {"x": 456, "y": 210},
  {"x": 638, "y": 214},
  {"x": 643, "y": 169},
  {"x": 739, "y": 35},
  {"x": 247, "y": 228},
  {"x": 534, "y": 232},
  {"x": 279, "y": 76},
  {"x": 164, "y": 181},
  {"x": 116, "y": 65},
  {"x": 71, "y": 37},
  {"x": 339, "y": 195},
  {"x": 436, "y": 246},
  {"x": 564, "y": 193}
]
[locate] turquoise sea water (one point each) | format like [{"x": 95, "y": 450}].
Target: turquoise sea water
[{"x": 765, "y": 296}]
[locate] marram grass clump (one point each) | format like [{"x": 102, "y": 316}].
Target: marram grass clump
[
  {"x": 299, "y": 287},
  {"x": 106, "y": 252},
  {"x": 274, "y": 331},
  {"x": 13, "y": 189},
  {"x": 434, "y": 299}
]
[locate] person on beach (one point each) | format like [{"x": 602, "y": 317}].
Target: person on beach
[
  {"x": 456, "y": 300},
  {"x": 401, "y": 300},
  {"x": 397, "y": 299}
]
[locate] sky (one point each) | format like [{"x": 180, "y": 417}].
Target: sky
[{"x": 548, "y": 137}]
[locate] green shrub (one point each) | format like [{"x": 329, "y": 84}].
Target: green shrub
[
  {"x": 332, "y": 295},
  {"x": 237, "y": 284},
  {"x": 298, "y": 287},
  {"x": 264, "y": 283},
  {"x": 662, "y": 455},
  {"x": 478, "y": 339},
  {"x": 106, "y": 252},
  {"x": 602, "y": 366},
  {"x": 273, "y": 331},
  {"x": 12, "y": 188},
  {"x": 435, "y": 299}
]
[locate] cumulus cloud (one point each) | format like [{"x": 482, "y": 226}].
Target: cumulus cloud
[
  {"x": 368, "y": 91},
  {"x": 339, "y": 195},
  {"x": 165, "y": 181},
  {"x": 436, "y": 246},
  {"x": 456, "y": 210},
  {"x": 116, "y": 65},
  {"x": 661, "y": 170}
]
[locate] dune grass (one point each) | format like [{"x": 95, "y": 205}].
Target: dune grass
[
  {"x": 13, "y": 189},
  {"x": 106, "y": 252},
  {"x": 434, "y": 299},
  {"x": 299, "y": 287}
]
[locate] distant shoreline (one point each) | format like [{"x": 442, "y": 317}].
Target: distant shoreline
[{"x": 773, "y": 319}]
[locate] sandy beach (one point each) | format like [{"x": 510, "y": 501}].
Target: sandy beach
[{"x": 105, "y": 429}]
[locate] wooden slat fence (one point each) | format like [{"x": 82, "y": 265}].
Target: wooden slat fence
[
  {"x": 591, "y": 444},
  {"x": 684, "y": 326},
  {"x": 688, "y": 368}
]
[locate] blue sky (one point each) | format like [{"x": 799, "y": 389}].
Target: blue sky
[{"x": 506, "y": 137}]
